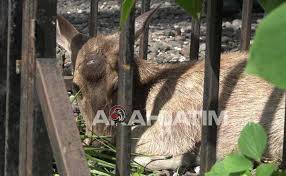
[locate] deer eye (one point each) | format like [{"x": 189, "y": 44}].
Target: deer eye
[{"x": 94, "y": 67}]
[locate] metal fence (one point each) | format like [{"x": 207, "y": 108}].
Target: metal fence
[{"x": 29, "y": 100}]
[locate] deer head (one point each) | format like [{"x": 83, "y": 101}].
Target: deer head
[{"x": 95, "y": 67}]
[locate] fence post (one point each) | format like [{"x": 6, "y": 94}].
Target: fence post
[
  {"x": 125, "y": 94},
  {"x": 93, "y": 18},
  {"x": 246, "y": 25},
  {"x": 13, "y": 87},
  {"x": 143, "y": 50},
  {"x": 211, "y": 83},
  {"x": 195, "y": 39},
  {"x": 3, "y": 75},
  {"x": 35, "y": 150}
]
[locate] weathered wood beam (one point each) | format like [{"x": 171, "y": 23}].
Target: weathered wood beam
[
  {"x": 13, "y": 88},
  {"x": 3, "y": 75},
  {"x": 35, "y": 151},
  {"x": 62, "y": 129}
]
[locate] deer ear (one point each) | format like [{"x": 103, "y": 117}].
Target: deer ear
[
  {"x": 143, "y": 21},
  {"x": 65, "y": 33},
  {"x": 69, "y": 38}
]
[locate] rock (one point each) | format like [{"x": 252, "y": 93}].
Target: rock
[
  {"x": 227, "y": 24},
  {"x": 236, "y": 24},
  {"x": 203, "y": 46},
  {"x": 225, "y": 39}
]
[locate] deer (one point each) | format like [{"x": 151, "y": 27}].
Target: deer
[{"x": 171, "y": 88}]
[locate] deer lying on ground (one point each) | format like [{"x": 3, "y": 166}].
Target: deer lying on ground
[{"x": 163, "y": 88}]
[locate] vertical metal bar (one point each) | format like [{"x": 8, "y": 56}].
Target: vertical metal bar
[
  {"x": 93, "y": 18},
  {"x": 13, "y": 88},
  {"x": 246, "y": 25},
  {"x": 195, "y": 39},
  {"x": 3, "y": 75},
  {"x": 35, "y": 151},
  {"x": 143, "y": 50},
  {"x": 211, "y": 83},
  {"x": 125, "y": 94}
]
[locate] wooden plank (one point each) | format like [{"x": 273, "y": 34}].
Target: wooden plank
[
  {"x": 13, "y": 88},
  {"x": 93, "y": 18},
  {"x": 35, "y": 151},
  {"x": 246, "y": 25},
  {"x": 29, "y": 110},
  {"x": 27, "y": 87},
  {"x": 125, "y": 94},
  {"x": 143, "y": 50},
  {"x": 195, "y": 39},
  {"x": 62, "y": 129},
  {"x": 3, "y": 75},
  {"x": 211, "y": 83}
]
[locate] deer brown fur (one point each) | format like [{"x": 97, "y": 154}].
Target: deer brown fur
[{"x": 174, "y": 88}]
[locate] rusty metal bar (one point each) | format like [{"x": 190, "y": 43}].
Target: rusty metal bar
[
  {"x": 211, "y": 83},
  {"x": 125, "y": 94},
  {"x": 246, "y": 25},
  {"x": 195, "y": 39},
  {"x": 143, "y": 49},
  {"x": 93, "y": 18},
  {"x": 3, "y": 75},
  {"x": 13, "y": 88},
  {"x": 62, "y": 130}
]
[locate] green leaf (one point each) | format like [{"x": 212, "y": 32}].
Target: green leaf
[
  {"x": 125, "y": 12},
  {"x": 268, "y": 54},
  {"x": 193, "y": 7},
  {"x": 218, "y": 170},
  {"x": 235, "y": 162},
  {"x": 252, "y": 141},
  {"x": 266, "y": 169},
  {"x": 246, "y": 173},
  {"x": 269, "y": 5}
]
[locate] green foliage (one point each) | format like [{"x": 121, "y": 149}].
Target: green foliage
[
  {"x": 125, "y": 12},
  {"x": 237, "y": 163},
  {"x": 268, "y": 53},
  {"x": 193, "y": 7},
  {"x": 252, "y": 141},
  {"x": 266, "y": 169},
  {"x": 269, "y": 5}
]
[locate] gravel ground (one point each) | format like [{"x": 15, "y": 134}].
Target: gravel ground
[{"x": 170, "y": 30}]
